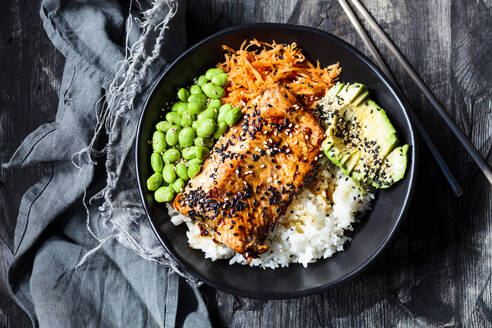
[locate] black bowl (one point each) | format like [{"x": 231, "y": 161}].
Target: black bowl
[{"x": 370, "y": 237}]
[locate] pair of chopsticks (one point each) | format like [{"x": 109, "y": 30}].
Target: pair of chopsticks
[{"x": 470, "y": 149}]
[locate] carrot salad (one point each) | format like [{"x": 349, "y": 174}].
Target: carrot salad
[{"x": 257, "y": 65}]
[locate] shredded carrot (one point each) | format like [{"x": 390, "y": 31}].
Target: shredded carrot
[{"x": 258, "y": 65}]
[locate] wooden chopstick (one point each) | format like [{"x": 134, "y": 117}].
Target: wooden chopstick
[
  {"x": 469, "y": 147},
  {"x": 428, "y": 141}
]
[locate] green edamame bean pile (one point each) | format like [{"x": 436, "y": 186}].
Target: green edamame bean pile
[{"x": 182, "y": 142}]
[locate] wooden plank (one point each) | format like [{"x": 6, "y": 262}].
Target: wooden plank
[
  {"x": 437, "y": 271},
  {"x": 472, "y": 107},
  {"x": 29, "y": 80}
]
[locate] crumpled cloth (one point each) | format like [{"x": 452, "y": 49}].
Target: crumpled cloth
[{"x": 88, "y": 200}]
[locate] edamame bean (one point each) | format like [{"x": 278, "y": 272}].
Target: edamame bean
[
  {"x": 193, "y": 169},
  {"x": 201, "y": 80},
  {"x": 178, "y": 185},
  {"x": 195, "y": 90},
  {"x": 182, "y": 109},
  {"x": 183, "y": 94},
  {"x": 204, "y": 142},
  {"x": 179, "y": 107},
  {"x": 189, "y": 152},
  {"x": 201, "y": 98},
  {"x": 171, "y": 156},
  {"x": 186, "y": 137},
  {"x": 158, "y": 141},
  {"x": 220, "y": 79},
  {"x": 221, "y": 129},
  {"x": 186, "y": 119},
  {"x": 202, "y": 153},
  {"x": 154, "y": 181},
  {"x": 164, "y": 194},
  {"x": 195, "y": 107},
  {"x": 156, "y": 162},
  {"x": 212, "y": 72},
  {"x": 223, "y": 110},
  {"x": 172, "y": 135},
  {"x": 163, "y": 126},
  {"x": 215, "y": 103},
  {"x": 173, "y": 117},
  {"x": 233, "y": 116},
  {"x": 210, "y": 112},
  {"x": 206, "y": 128},
  {"x": 182, "y": 171},
  {"x": 196, "y": 161},
  {"x": 194, "y": 125},
  {"x": 213, "y": 91},
  {"x": 169, "y": 173}
]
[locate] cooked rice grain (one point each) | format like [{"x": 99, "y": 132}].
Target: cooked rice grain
[{"x": 313, "y": 226}]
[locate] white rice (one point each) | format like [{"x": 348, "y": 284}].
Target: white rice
[{"x": 313, "y": 226}]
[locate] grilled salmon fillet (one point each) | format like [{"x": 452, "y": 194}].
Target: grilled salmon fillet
[{"x": 253, "y": 172}]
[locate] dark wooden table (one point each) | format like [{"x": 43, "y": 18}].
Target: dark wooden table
[{"x": 436, "y": 273}]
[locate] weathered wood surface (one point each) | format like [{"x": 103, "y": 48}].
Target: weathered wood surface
[
  {"x": 437, "y": 272},
  {"x": 30, "y": 72}
]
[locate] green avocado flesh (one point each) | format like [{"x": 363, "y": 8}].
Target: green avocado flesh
[
  {"x": 360, "y": 138},
  {"x": 393, "y": 168}
]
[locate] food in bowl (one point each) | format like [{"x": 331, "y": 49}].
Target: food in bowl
[
  {"x": 292, "y": 167},
  {"x": 255, "y": 170}
]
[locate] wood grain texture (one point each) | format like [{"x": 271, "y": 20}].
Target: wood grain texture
[
  {"x": 437, "y": 271},
  {"x": 30, "y": 73}
]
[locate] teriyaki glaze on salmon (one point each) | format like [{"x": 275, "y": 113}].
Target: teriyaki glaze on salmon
[{"x": 253, "y": 172}]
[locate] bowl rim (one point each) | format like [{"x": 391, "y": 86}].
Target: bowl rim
[{"x": 401, "y": 101}]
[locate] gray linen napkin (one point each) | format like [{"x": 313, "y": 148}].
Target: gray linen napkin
[{"x": 57, "y": 225}]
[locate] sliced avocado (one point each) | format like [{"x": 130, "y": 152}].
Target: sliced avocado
[
  {"x": 359, "y": 136},
  {"x": 334, "y": 90},
  {"x": 393, "y": 168},
  {"x": 351, "y": 91},
  {"x": 360, "y": 98},
  {"x": 377, "y": 140}
]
